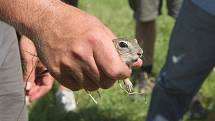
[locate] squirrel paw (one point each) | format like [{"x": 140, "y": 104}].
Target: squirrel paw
[{"x": 128, "y": 85}]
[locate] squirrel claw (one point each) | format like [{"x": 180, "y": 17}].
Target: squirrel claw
[{"x": 128, "y": 85}]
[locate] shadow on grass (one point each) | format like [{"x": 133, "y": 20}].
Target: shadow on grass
[
  {"x": 95, "y": 114},
  {"x": 48, "y": 109}
]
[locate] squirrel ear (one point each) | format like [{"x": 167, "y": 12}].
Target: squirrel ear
[
  {"x": 135, "y": 40},
  {"x": 115, "y": 41}
]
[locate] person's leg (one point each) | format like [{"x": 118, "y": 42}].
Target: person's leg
[
  {"x": 146, "y": 35},
  {"x": 173, "y": 7},
  {"x": 197, "y": 111},
  {"x": 12, "y": 105},
  {"x": 190, "y": 59},
  {"x": 145, "y": 13},
  {"x": 67, "y": 98}
]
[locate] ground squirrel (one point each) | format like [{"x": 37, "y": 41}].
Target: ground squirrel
[{"x": 129, "y": 51}]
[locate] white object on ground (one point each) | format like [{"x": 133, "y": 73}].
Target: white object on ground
[{"x": 67, "y": 98}]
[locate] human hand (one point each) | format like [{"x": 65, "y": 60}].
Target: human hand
[
  {"x": 78, "y": 51},
  {"x": 37, "y": 83}
]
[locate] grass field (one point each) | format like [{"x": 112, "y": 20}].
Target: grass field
[{"x": 114, "y": 104}]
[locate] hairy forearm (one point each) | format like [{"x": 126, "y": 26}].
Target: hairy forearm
[{"x": 28, "y": 16}]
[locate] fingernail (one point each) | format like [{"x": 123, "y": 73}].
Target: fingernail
[
  {"x": 28, "y": 86},
  {"x": 27, "y": 100}
]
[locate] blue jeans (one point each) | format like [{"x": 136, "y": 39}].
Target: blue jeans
[{"x": 190, "y": 60}]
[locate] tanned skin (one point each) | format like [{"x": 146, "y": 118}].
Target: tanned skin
[{"x": 76, "y": 47}]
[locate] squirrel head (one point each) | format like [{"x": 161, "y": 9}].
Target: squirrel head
[{"x": 128, "y": 49}]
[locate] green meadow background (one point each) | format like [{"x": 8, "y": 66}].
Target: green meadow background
[{"x": 114, "y": 104}]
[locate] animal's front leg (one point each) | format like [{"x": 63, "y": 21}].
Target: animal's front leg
[{"x": 128, "y": 85}]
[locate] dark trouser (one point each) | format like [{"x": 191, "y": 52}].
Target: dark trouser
[
  {"x": 190, "y": 60},
  {"x": 12, "y": 107}
]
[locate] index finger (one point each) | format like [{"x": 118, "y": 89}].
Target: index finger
[{"x": 108, "y": 59}]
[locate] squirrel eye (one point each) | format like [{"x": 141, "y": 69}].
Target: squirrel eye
[{"x": 123, "y": 45}]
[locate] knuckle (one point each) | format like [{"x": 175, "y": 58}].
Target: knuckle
[
  {"x": 94, "y": 38},
  {"x": 80, "y": 53},
  {"x": 78, "y": 50}
]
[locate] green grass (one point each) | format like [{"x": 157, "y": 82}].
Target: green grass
[{"x": 114, "y": 104}]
